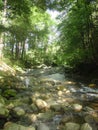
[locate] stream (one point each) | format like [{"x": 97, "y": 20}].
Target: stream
[{"x": 48, "y": 99}]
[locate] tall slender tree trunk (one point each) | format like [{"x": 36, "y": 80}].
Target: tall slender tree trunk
[
  {"x": 3, "y": 23},
  {"x": 17, "y": 51},
  {"x": 23, "y": 51},
  {"x": 12, "y": 49}
]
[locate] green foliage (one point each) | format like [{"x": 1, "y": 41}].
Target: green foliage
[
  {"x": 27, "y": 30},
  {"x": 22, "y": 36},
  {"x": 28, "y": 27},
  {"x": 18, "y": 7},
  {"x": 76, "y": 33},
  {"x": 33, "y": 57}
]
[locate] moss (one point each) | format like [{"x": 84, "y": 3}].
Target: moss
[{"x": 9, "y": 93}]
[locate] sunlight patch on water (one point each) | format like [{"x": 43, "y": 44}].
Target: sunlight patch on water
[{"x": 57, "y": 76}]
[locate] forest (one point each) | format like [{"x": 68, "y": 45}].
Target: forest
[
  {"x": 29, "y": 35},
  {"x": 48, "y": 64}
]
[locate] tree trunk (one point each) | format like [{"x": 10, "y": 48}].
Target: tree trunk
[
  {"x": 23, "y": 50},
  {"x": 17, "y": 53},
  {"x": 3, "y": 23}
]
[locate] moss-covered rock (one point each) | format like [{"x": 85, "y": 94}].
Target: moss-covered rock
[
  {"x": 4, "y": 111},
  {"x": 56, "y": 107},
  {"x": 86, "y": 126},
  {"x": 18, "y": 111},
  {"x": 71, "y": 126},
  {"x": 14, "y": 126},
  {"x": 46, "y": 116},
  {"x": 34, "y": 107},
  {"x": 2, "y": 100},
  {"x": 9, "y": 93}
]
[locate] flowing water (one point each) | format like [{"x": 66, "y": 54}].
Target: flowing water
[
  {"x": 69, "y": 97},
  {"x": 80, "y": 92}
]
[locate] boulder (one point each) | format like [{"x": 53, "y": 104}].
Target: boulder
[{"x": 71, "y": 126}]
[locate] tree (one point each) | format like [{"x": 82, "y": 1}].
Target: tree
[
  {"x": 77, "y": 31},
  {"x": 3, "y": 22},
  {"x": 26, "y": 32}
]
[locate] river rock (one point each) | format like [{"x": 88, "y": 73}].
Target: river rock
[
  {"x": 77, "y": 107},
  {"x": 10, "y": 106},
  {"x": 88, "y": 109},
  {"x": 34, "y": 107},
  {"x": 41, "y": 104},
  {"x": 46, "y": 116},
  {"x": 3, "y": 111},
  {"x": 89, "y": 119},
  {"x": 66, "y": 119},
  {"x": 42, "y": 126},
  {"x": 32, "y": 117},
  {"x": 86, "y": 126},
  {"x": 46, "y": 80},
  {"x": 2, "y": 100},
  {"x": 18, "y": 111},
  {"x": 56, "y": 107},
  {"x": 14, "y": 126},
  {"x": 60, "y": 93},
  {"x": 71, "y": 126},
  {"x": 60, "y": 87}
]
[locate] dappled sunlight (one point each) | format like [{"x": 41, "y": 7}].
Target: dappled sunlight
[
  {"x": 69, "y": 82},
  {"x": 6, "y": 68}
]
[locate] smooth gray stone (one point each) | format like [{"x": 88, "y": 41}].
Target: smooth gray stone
[{"x": 42, "y": 126}]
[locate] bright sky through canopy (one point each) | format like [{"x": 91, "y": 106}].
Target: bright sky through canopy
[
  {"x": 55, "y": 33},
  {"x": 53, "y": 14}
]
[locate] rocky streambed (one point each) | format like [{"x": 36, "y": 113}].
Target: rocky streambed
[{"x": 46, "y": 99}]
